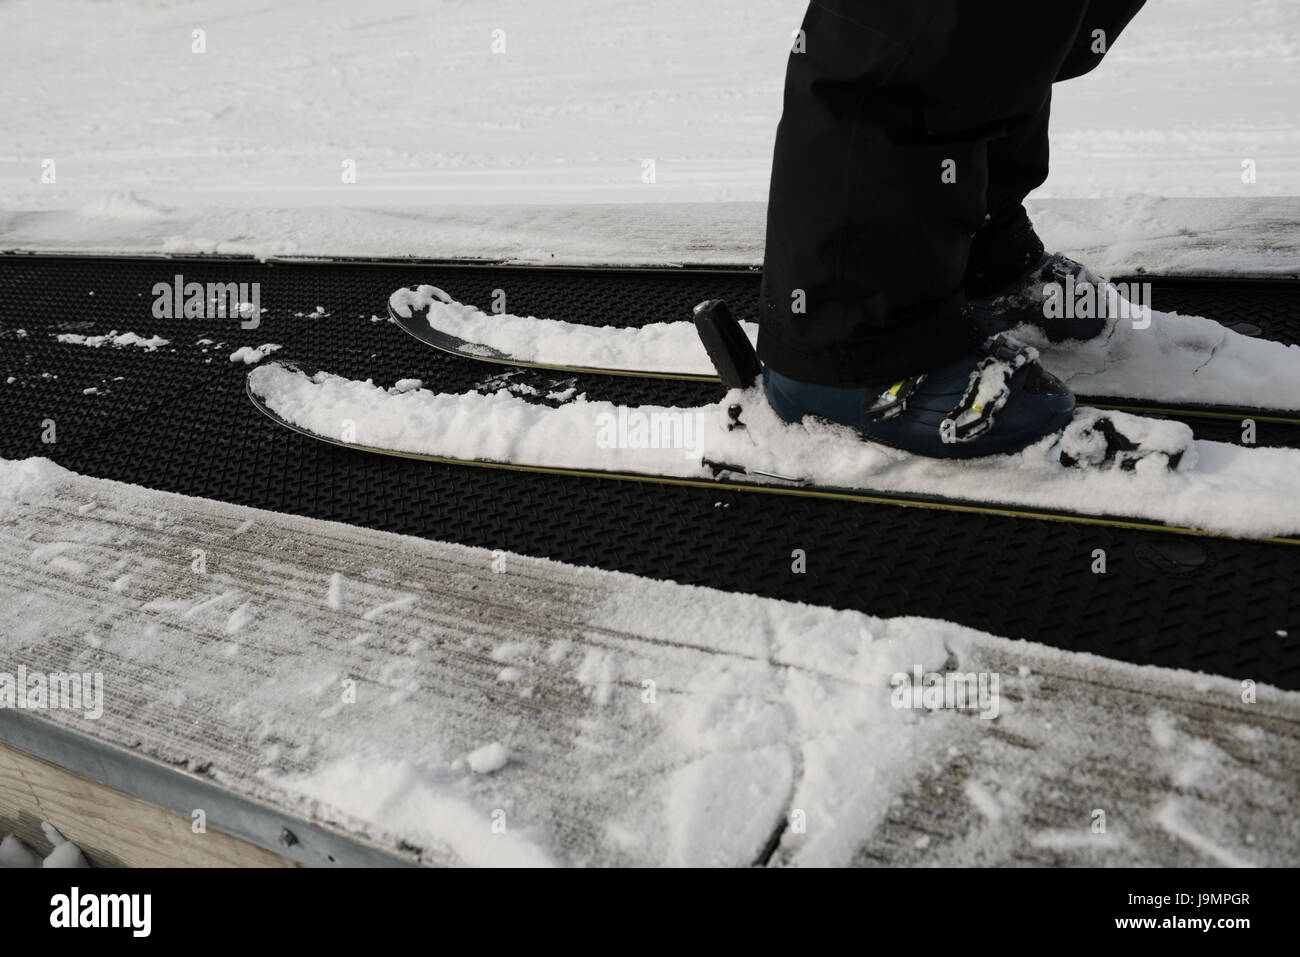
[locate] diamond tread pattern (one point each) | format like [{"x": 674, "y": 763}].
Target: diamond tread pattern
[{"x": 177, "y": 419}]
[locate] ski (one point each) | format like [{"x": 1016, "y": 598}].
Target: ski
[
  {"x": 739, "y": 445},
  {"x": 671, "y": 350}
]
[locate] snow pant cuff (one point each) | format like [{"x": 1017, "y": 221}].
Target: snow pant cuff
[
  {"x": 921, "y": 338},
  {"x": 1001, "y": 252}
]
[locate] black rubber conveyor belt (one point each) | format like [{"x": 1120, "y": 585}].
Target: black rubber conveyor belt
[{"x": 177, "y": 419}]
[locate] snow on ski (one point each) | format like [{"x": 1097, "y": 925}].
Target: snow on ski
[
  {"x": 669, "y": 349},
  {"x": 1216, "y": 488},
  {"x": 1144, "y": 357}
]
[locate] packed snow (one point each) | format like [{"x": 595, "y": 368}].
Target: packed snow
[
  {"x": 503, "y": 130},
  {"x": 26, "y": 481},
  {"x": 491, "y": 757},
  {"x": 1217, "y": 487},
  {"x": 1174, "y": 358},
  {"x": 421, "y": 802},
  {"x": 634, "y": 736}
]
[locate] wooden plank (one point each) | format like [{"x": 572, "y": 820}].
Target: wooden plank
[
  {"x": 1100, "y": 764},
  {"x": 229, "y": 672},
  {"x": 112, "y": 828}
]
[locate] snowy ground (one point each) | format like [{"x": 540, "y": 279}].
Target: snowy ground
[
  {"x": 419, "y": 692},
  {"x": 536, "y": 151}
]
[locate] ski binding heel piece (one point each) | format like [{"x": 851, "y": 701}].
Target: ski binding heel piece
[{"x": 728, "y": 347}]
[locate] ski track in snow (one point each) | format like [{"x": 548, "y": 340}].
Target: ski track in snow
[
  {"x": 1170, "y": 816},
  {"x": 396, "y": 605}
]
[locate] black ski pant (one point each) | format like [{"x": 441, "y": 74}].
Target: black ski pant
[{"x": 911, "y": 133}]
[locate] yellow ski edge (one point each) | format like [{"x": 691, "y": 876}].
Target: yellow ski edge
[{"x": 843, "y": 495}]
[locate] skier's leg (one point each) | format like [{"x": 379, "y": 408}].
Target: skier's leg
[
  {"x": 1007, "y": 254},
  {"x": 880, "y": 175},
  {"x": 879, "y": 181},
  {"x": 1006, "y": 245},
  {"x": 1103, "y": 22},
  {"x": 864, "y": 246}
]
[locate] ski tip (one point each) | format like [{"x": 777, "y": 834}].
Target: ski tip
[{"x": 716, "y": 307}]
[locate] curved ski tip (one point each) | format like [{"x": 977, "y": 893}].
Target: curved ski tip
[
  {"x": 290, "y": 365},
  {"x": 404, "y": 302},
  {"x": 708, "y": 305},
  {"x": 265, "y": 370}
]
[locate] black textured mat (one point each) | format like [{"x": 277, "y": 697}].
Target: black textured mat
[{"x": 177, "y": 419}]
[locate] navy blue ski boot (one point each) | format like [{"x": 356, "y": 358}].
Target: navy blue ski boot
[
  {"x": 1050, "y": 295},
  {"x": 995, "y": 400}
]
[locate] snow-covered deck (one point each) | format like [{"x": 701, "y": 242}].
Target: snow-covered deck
[{"x": 453, "y": 705}]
